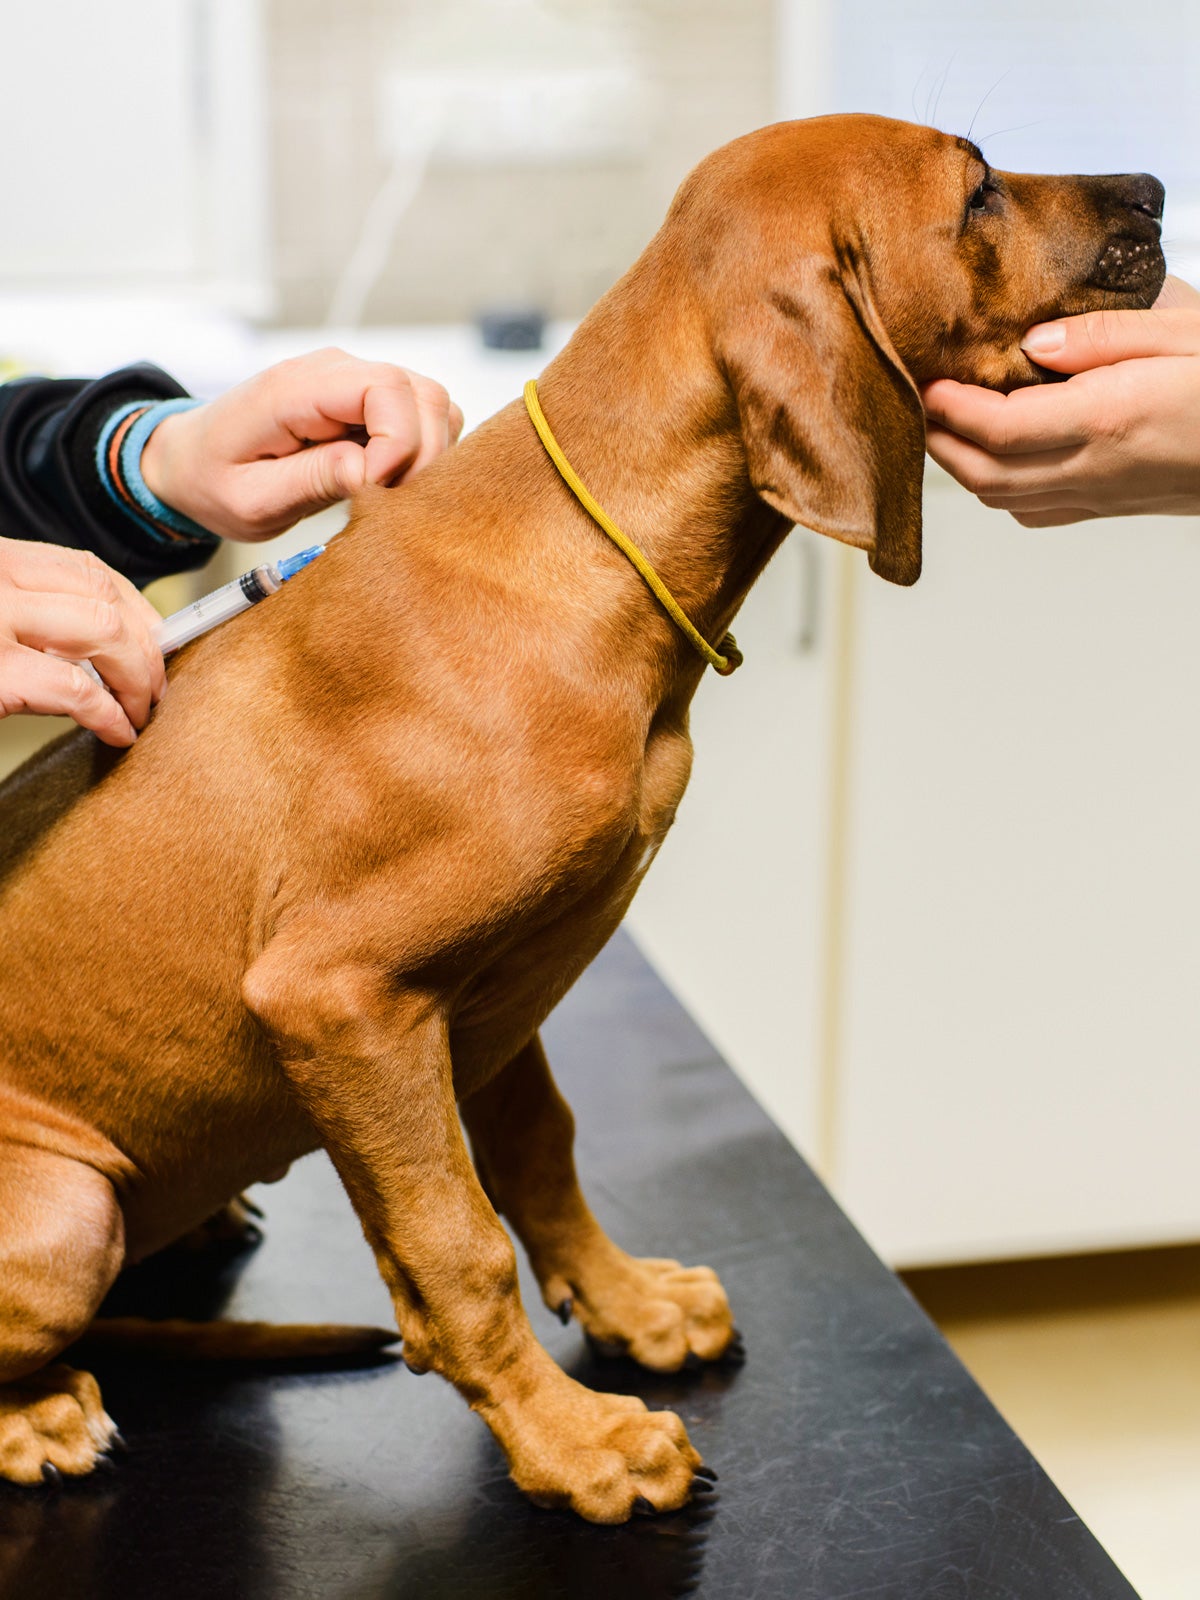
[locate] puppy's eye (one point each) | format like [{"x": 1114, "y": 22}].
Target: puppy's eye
[{"x": 982, "y": 199}]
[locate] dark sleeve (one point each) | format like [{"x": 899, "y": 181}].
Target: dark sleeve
[{"x": 50, "y": 484}]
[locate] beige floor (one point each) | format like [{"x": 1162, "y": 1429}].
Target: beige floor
[{"x": 1095, "y": 1361}]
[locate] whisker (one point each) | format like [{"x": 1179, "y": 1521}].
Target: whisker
[
  {"x": 912, "y": 99},
  {"x": 942, "y": 84},
  {"x": 986, "y": 138},
  {"x": 987, "y": 97}
]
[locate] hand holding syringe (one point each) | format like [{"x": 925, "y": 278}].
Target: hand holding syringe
[
  {"x": 181, "y": 627},
  {"x": 245, "y": 466}
]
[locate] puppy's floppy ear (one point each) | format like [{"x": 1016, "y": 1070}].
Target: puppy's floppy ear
[{"x": 833, "y": 425}]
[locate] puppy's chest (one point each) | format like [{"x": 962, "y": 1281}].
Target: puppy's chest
[{"x": 512, "y": 997}]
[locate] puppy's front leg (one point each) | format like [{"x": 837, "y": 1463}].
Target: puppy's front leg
[
  {"x": 662, "y": 1314},
  {"x": 373, "y": 1068}
]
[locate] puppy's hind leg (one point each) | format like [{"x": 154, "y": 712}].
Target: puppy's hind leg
[
  {"x": 61, "y": 1245},
  {"x": 664, "y": 1315}
]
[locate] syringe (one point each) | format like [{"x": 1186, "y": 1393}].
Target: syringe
[{"x": 181, "y": 627}]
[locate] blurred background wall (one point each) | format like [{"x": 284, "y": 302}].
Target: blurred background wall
[
  {"x": 531, "y": 147},
  {"x": 384, "y": 161}
]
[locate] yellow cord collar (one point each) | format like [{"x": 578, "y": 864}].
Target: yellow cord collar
[{"x": 732, "y": 657}]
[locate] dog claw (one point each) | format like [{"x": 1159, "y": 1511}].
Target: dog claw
[
  {"x": 564, "y": 1309},
  {"x": 703, "y": 1485},
  {"x": 51, "y": 1474},
  {"x": 417, "y": 1372},
  {"x": 707, "y": 1472},
  {"x": 118, "y": 1445},
  {"x": 692, "y": 1362},
  {"x": 642, "y": 1507}
]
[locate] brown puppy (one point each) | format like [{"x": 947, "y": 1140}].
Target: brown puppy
[{"x": 333, "y": 891}]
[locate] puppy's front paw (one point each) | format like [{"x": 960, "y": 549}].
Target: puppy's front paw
[
  {"x": 604, "y": 1456},
  {"x": 53, "y": 1423},
  {"x": 664, "y": 1315}
]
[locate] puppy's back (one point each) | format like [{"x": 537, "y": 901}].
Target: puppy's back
[{"x": 44, "y": 788}]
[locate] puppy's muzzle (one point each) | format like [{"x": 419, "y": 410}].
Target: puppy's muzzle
[{"x": 1132, "y": 261}]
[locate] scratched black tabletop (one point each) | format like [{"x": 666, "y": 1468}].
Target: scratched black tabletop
[{"x": 856, "y": 1456}]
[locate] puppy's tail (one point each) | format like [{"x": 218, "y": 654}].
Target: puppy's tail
[{"x": 173, "y": 1339}]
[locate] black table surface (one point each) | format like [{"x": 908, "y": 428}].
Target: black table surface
[{"x": 857, "y": 1458}]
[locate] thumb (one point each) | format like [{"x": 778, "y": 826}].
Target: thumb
[
  {"x": 335, "y": 471},
  {"x": 294, "y": 486},
  {"x": 1100, "y": 338}
]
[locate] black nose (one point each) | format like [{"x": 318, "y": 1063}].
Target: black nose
[{"x": 1144, "y": 193}]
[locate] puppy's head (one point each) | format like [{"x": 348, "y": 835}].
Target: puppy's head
[{"x": 844, "y": 260}]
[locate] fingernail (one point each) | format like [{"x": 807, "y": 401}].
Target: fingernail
[{"x": 1045, "y": 339}]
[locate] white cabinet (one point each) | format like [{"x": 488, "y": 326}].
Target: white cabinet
[{"x": 956, "y": 854}]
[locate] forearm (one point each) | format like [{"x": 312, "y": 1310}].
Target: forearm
[{"x": 56, "y": 473}]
